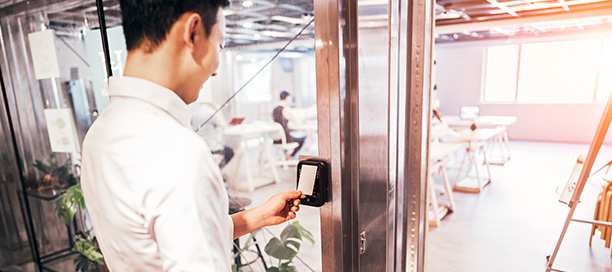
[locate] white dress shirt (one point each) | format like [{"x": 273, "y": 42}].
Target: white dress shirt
[{"x": 155, "y": 196}]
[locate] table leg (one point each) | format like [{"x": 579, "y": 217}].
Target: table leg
[
  {"x": 447, "y": 186},
  {"x": 266, "y": 148}
]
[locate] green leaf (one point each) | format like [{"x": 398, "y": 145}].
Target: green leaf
[
  {"x": 273, "y": 269},
  {"x": 289, "y": 232},
  {"x": 287, "y": 267},
  {"x": 87, "y": 248},
  {"x": 304, "y": 232},
  {"x": 68, "y": 203},
  {"x": 282, "y": 249}
]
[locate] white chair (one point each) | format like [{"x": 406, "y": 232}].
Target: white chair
[{"x": 283, "y": 146}]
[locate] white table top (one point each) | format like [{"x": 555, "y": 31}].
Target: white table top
[
  {"x": 482, "y": 121},
  {"x": 467, "y": 135},
  {"x": 439, "y": 150},
  {"x": 305, "y": 126},
  {"x": 253, "y": 129}
]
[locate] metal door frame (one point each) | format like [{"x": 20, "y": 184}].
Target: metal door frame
[{"x": 410, "y": 57}]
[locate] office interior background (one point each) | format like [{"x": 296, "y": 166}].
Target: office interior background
[{"x": 516, "y": 92}]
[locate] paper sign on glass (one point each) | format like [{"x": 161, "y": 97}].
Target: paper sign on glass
[
  {"x": 62, "y": 132},
  {"x": 44, "y": 54},
  {"x": 307, "y": 179}
]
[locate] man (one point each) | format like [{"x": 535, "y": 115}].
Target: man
[
  {"x": 211, "y": 131},
  {"x": 156, "y": 198},
  {"x": 282, "y": 114}
]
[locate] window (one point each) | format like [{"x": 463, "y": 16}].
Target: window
[
  {"x": 558, "y": 72},
  {"x": 549, "y": 72},
  {"x": 604, "y": 88},
  {"x": 500, "y": 80}
]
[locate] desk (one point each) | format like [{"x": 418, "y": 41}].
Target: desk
[
  {"x": 475, "y": 141},
  {"x": 500, "y": 122},
  {"x": 259, "y": 132},
  {"x": 438, "y": 152}
]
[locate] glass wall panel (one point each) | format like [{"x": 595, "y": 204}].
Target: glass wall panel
[{"x": 48, "y": 77}]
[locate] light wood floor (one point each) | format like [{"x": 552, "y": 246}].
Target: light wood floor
[
  {"x": 515, "y": 222},
  {"x": 511, "y": 226}
]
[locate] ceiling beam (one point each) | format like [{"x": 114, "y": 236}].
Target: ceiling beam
[{"x": 487, "y": 25}]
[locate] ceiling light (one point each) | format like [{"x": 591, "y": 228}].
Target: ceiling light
[
  {"x": 539, "y": 28},
  {"x": 256, "y": 36},
  {"x": 290, "y": 20},
  {"x": 239, "y": 57},
  {"x": 578, "y": 24},
  {"x": 502, "y": 31},
  {"x": 564, "y": 5},
  {"x": 247, "y": 25},
  {"x": 502, "y": 7},
  {"x": 247, "y": 4}
]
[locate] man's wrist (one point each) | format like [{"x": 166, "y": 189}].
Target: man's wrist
[{"x": 257, "y": 218}]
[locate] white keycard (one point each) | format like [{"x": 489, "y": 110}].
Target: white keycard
[{"x": 307, "y": 179}]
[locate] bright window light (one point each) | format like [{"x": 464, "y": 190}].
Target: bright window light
[
  {"x": 558, "y": 72},
  {"x": 500, "y": 79},
  {"x": 604, "y": 88}
]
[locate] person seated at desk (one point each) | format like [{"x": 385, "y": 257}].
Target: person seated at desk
[
  {"x": 282, "y": 114},
  {"x": 200, "y": 112}
]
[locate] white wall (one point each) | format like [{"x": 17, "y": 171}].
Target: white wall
[{"x": 459, "y": 75}]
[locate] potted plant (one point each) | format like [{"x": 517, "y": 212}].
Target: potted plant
[
  {"x": 90, "y": 257},
  {"x": 283, "y": 248},
  {"x": 55, "y": 176}
]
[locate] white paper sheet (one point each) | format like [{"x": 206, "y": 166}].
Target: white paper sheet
[
  {"x": 44, "y": 54},
  {"x": 307, "y": 179},
  {"x": 62, "y": 131}
]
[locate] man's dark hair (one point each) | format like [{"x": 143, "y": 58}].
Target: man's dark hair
[
  {"x": 284, "y": 95},
  {"x": 147, "y": 22}
]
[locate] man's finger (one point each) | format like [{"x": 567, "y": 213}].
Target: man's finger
[
  {"x": 297, "y": 202},
  {"x": 290, "y": 195}
]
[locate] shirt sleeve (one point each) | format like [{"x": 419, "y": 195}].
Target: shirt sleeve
[{"x": 185, "y": 204}]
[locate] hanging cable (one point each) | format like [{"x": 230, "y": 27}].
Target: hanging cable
[{"x": 255, "y": 75}]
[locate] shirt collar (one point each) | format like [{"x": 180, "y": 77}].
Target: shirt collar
[{"x": 152, "y": 93}]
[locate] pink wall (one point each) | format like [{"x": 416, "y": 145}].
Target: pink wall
[{"x": 459, "y": 78}]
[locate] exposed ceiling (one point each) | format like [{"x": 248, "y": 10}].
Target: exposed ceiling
[
  {"x": 270, "y": 21},
  {"x": 463, "y": 20}
]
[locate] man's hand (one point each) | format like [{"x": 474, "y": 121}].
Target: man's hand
[{"x": 279, "y": 208}]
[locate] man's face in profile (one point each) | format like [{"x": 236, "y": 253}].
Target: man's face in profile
[{"x": 212, "y": 49}]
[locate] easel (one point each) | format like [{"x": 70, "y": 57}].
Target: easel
[{"x": 600, "y": 135}]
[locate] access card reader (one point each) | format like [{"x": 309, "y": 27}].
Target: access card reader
[{"x": 313, "y": 180}]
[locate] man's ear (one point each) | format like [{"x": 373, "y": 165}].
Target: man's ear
[{"x": 193, "y": 30}]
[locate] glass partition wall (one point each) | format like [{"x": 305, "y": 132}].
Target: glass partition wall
[{"x": 47, "y": 104}]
